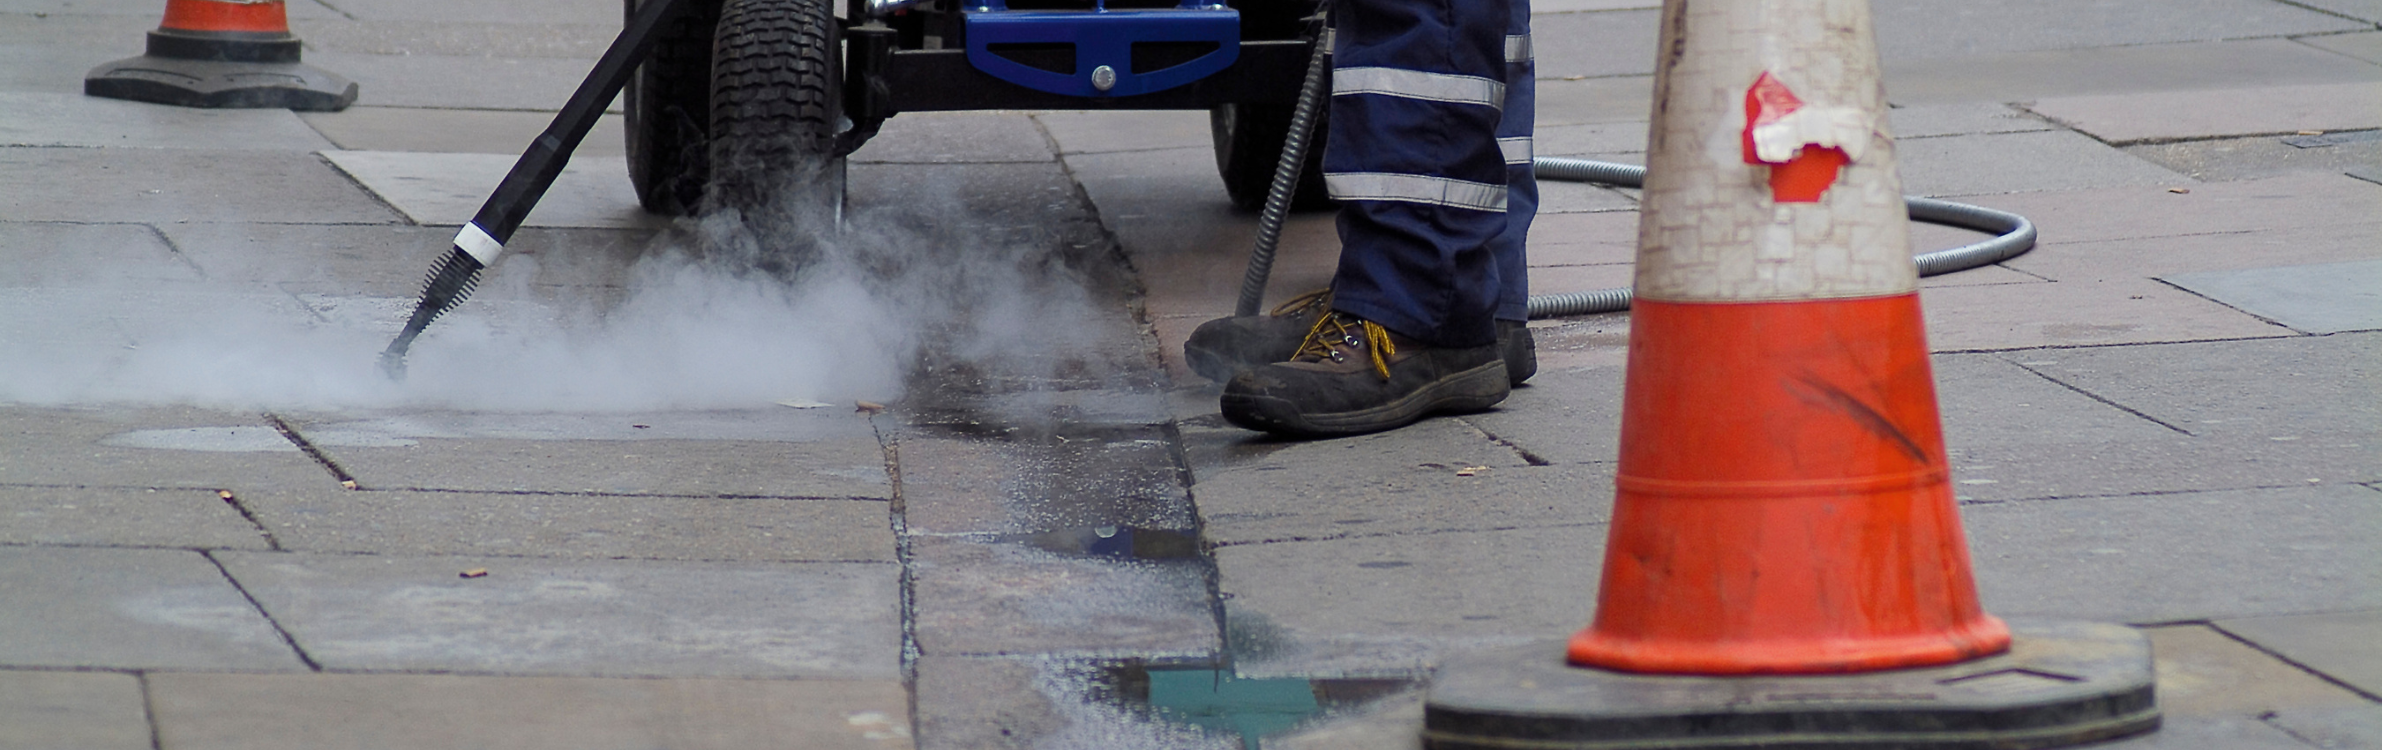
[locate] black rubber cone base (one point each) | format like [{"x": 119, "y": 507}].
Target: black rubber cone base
[
  {"x": 2061, "y": 683},
  {"x": 220, "y": 84}
]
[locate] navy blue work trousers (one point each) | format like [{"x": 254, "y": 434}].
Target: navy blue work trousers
[{"x": 1429, "y": 154}]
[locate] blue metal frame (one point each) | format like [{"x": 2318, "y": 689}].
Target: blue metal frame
[{"x": 1102, "y": 38}]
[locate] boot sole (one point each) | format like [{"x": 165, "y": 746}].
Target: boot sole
[{"x": 1468, "y": 391}]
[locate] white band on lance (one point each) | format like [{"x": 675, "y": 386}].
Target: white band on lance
[{"x": 480, "y": 245}]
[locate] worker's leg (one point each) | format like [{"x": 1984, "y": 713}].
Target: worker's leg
[
  {"x": 1514, "y": 128},
  {"x": 1417, "y": 94},
  {"x": 1413, "y": 157}
]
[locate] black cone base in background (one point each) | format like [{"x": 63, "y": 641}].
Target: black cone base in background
[
  {"x": 2061, "y": 683},
  {"x": 223, "y": 70}
]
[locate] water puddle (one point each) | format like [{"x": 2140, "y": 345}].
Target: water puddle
[
  {"x": 1111, "y": 542},
  {"x": 1216, "y": 700}
]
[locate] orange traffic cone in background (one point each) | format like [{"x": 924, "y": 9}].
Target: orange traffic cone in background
[
  {"x": 1783, "y": 501},
  {"x": 222, "y": 53}
]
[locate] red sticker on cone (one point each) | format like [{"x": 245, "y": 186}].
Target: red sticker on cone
[{"x": 1810, "y": 170}]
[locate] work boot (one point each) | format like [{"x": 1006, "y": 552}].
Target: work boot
[
  {"x": 1352, "y": 376},
  {"x": 1519, "y": 351},
  {"x": 1222, "y": 347}
]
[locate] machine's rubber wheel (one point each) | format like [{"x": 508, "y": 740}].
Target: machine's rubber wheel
[
  {"x": 776, "y": 108},
  {"x": 667, "y": 109},
  {"x": 1248, "y": 147}
]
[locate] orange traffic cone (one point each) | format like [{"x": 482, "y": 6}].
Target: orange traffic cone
[
  {"x": 1783, "y": 500},
  {"x": 1785, "y": 566},
  {"x": 222, "y": 53}
]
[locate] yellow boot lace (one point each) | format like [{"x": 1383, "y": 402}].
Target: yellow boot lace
[{"x": 1334, "y": 329}]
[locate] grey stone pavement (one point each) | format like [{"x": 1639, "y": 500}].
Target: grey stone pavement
[{"x": 686, "y": 524}]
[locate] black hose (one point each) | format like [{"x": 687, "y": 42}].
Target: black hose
[
  {"x": 2016, "y": 235},
  {"x": 1286, "y": 173}
]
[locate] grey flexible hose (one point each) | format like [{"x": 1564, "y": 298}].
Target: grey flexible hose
[
  {"x": 1286, "y": 174},
  {"x": 2016, "y": 235}
]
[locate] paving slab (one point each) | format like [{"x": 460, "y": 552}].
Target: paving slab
[
  {"x": 447, "y": 189},
  {"x": 1568, "y": 101},
  {"x": 2015, "y": 76},
  {"x": 2213, "y": 255},
  {"x": 982, "y": 703},
  {"x": 172, "y": 185},
  {"x": 1216, "y": 450},
  {"x": 2015, "y": 435},
  {"x": 113, "y": 517},
  {"x": 1564, "y": 417},
  {"x": 1592, "y": 138},
  {"x": 83, "y": 447},
  {"x": 1595, "y": 44},
  {"x": 83, "y": 255},
  {"x": 2297, "y": 202},
  {"x": 2089, "y": 312},
  {"x": 70, "y": 120},
  {"x": 2366, "y": 46},
  {"x": 2355, "y": 727},
  {"x": 1263, "y": 507},
  {"x": 973, "y": 486},
  {"x": 457, "y": 131},
  {"x": 356, "y": 711},
  {"x": 458, "y": 38},
  {"x": 2368, "y": 11},
  {"x": 2201, "y": 672},
  {"x": 1096, "y": 132},
  {"x": 970, "y": 598},
  {"x": 690, "y": 468},
  {"x": 1551, "y": 7},
  {"x": 537, "y": 84},
  {"x": 515, "y": 12},
  {"x": 2178, "y": 115},
  {"x": 1389, "y": 605},
  {"x": 2345, "y": 646},
  {"x": 583, "y": 617},
  {"x": 1002, "y": 703},
  {"x": 1956, "y": 30},
  {"x": 1965, "y": 118},
  {"x": 2266, "y": 156},
  {"x": 92, "y": 608},
  {"x": 643, "y": 528},
  {"x": 94, "y": 710},
  {"x": 2188, "y": 556},
  {"x": 2020, "y": 162},
  {"x": 389, "y": 260},
  {"x": 2321, "y": 298},
  {"x": 959, "y": 138},
  {"x": 2311, "y": 390}
]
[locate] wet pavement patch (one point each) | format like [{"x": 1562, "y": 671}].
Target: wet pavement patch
[
  {"x": 1216, "y": 699},
  {"x": 1112, "y": 542}
]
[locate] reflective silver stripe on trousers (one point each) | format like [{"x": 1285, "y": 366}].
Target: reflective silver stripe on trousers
[
  {"x": 1415, "y": 84},
  {"x": 1517, "y": 150},
  {"x": 1517, "y": 48},
  {"x": 1415, "y": 188}
]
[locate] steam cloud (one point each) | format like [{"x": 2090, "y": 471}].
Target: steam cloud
[{"x": 708, "y": 320}]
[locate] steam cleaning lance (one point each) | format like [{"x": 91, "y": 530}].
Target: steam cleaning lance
[{"x": 482, "y": 241}]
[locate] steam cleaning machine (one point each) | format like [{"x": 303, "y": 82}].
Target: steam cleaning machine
[{"x": 739, "y": 104}]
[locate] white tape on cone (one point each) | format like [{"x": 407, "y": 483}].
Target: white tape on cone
[{"x": 480, "y": 245}]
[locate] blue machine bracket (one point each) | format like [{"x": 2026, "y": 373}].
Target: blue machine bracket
[{"x": 1103, "y": 42}]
